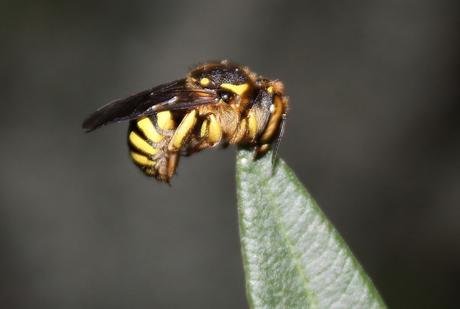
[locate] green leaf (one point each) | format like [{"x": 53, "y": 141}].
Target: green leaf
[{"x": 293, "y": 257}]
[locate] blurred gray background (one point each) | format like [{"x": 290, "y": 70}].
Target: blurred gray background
[{"x": 373, "y": 133}]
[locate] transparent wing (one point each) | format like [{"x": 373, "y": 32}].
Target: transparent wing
[{"x": 170, "y": 96}]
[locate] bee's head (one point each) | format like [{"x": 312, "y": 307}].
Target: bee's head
[{"x": 234, "y": 84}]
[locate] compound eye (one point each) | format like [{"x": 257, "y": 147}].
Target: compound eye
[{"x": 226, "y": 96}]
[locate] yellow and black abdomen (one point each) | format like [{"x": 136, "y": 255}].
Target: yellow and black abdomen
[{"x": 148, "y": 145}]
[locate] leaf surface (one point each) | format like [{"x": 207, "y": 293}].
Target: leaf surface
[{"x": 293, "y": 257}]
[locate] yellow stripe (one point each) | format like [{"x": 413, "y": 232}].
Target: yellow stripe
[
  {"x": 204, "y": 128},
  {"x": 165, "y": 120},
  {"x": 146, "y": 126},
  {"x": 182, "y": 132},
  {"x": 215, "y": 131},
  {"x": 252, "y": 125},
  {"x": 238, "y": 89},
  {"x": 141, "y": 144},
  {"x": 141, "y": 160}
]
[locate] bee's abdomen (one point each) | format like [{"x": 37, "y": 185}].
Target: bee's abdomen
[{"x": 148, "y": 146}]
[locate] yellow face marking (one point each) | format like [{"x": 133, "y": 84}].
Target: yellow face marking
[
  {"x": 270, "y": 89},
  {"x": 237, "y": 89},
  {"x": 140, "y": 159},
  {"x": 215, "y": 130},
  {"x": 252, "y": 125},
  {"x": 141, "y": 144},
  {"x": 182, "y": 131},
  {"x": 204, "y": 81}
]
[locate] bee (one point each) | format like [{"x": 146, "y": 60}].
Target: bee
[{"x": 217, "y": 103}]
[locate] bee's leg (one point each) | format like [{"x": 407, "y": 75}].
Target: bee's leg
[
  {"x": 158, "y": 127},
  {"x": 172, "y": 165},
  {"x": 211, "y": 131},
  {"x": 183, "y": 131},
  {"x": 262, "y": 149},
  {"x": 210, "y": 135},
  {"x": 240, "y": 132}
]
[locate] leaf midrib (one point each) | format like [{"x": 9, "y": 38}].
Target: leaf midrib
[{"x": 311, "y": 301}]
